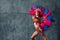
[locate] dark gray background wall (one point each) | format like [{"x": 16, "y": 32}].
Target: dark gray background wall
[{"x": 16, "y": 23}]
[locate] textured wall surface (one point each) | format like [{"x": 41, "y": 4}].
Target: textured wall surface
[{"x": 16, "y": 23}]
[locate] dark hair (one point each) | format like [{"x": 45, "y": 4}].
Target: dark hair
[{"x": 39, "y": 14}]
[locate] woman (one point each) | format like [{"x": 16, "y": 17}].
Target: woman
[{"x": 36, "y": 21}]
